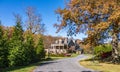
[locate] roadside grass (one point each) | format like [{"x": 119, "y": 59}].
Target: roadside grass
[
  {"x": 28, "y": 68},
  {"x": 89, "y": 55},
  {"x": 60, "y": 57},
  {"x": 100, "y": 66},
  {"x": 74, "y": 55}
]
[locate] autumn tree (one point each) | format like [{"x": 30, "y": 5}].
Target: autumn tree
[
  {"x": 35, "y": 26},
  {"x": 47, "y": 41},
  {"x": 33, "y": 22},
  {"x": 99, "y": 19}
]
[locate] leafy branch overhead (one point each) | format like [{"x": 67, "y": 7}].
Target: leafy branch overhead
[{"x": 99, "y": 19}]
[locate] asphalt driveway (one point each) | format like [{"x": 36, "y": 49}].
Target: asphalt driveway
[{"x": 63, "y": 65}]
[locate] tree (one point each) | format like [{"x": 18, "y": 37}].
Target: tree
[
  {"x": 30, "y": 48},
  {"x": 34, "y": 21},
  {"x": 100, "y": 19},
  {"x": 40, "y": 49},
  {"x": 47, "y": 41},
  {"x": 17, "y": 34},
  {"x": 35, "y": 28},
  {"x": 3, "y": 47},
  {"x": 16, "y": 53}
]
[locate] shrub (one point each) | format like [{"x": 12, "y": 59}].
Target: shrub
[{"x": 103, "y": 51}]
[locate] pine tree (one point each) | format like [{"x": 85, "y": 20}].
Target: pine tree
[
  {"x": 40, "y": 49},
  {"x": 29, "y": 45},
  {"x": 3, "y": 48},
  {"x": 16, "y": 52}
]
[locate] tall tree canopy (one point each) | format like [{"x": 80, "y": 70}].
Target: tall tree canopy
[
  {"x": 33, "y": 22},
  {"x": 100, "y": 19}
]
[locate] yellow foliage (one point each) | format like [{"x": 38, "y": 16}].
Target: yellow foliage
[{"x": 76, "y": 8}]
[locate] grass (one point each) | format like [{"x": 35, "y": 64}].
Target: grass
[
  {"x": 89, "y": 55},
  {"x": 28, "y": 68},
  {"x": 104, "y": 67},
  {"x": 74, "y": 55}
]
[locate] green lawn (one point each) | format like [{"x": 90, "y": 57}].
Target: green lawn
[
  {"x": 74, "y": 55},
  {"x": 28, "y": 68}
]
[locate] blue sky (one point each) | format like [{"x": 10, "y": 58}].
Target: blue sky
[{"x": 45, "y": 7}]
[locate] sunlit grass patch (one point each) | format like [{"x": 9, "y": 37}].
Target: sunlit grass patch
[{"x": 100, "y": 66}]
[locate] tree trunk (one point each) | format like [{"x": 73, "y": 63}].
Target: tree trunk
[{"x": 115, "y": 49}]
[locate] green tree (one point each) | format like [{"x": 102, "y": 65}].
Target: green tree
[
  {"x": 16, "y": 52},
  {"x": 3, "y": 48},
  {"x": 40, "y": 49},
  {"x": 29, "y": 45}
]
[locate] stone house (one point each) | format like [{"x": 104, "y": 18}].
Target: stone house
[{"x": 64, "y": 45}]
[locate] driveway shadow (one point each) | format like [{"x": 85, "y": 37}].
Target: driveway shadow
[
  {"x": 47, "y": 62},
  {"x": 41, "y": 63}
]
